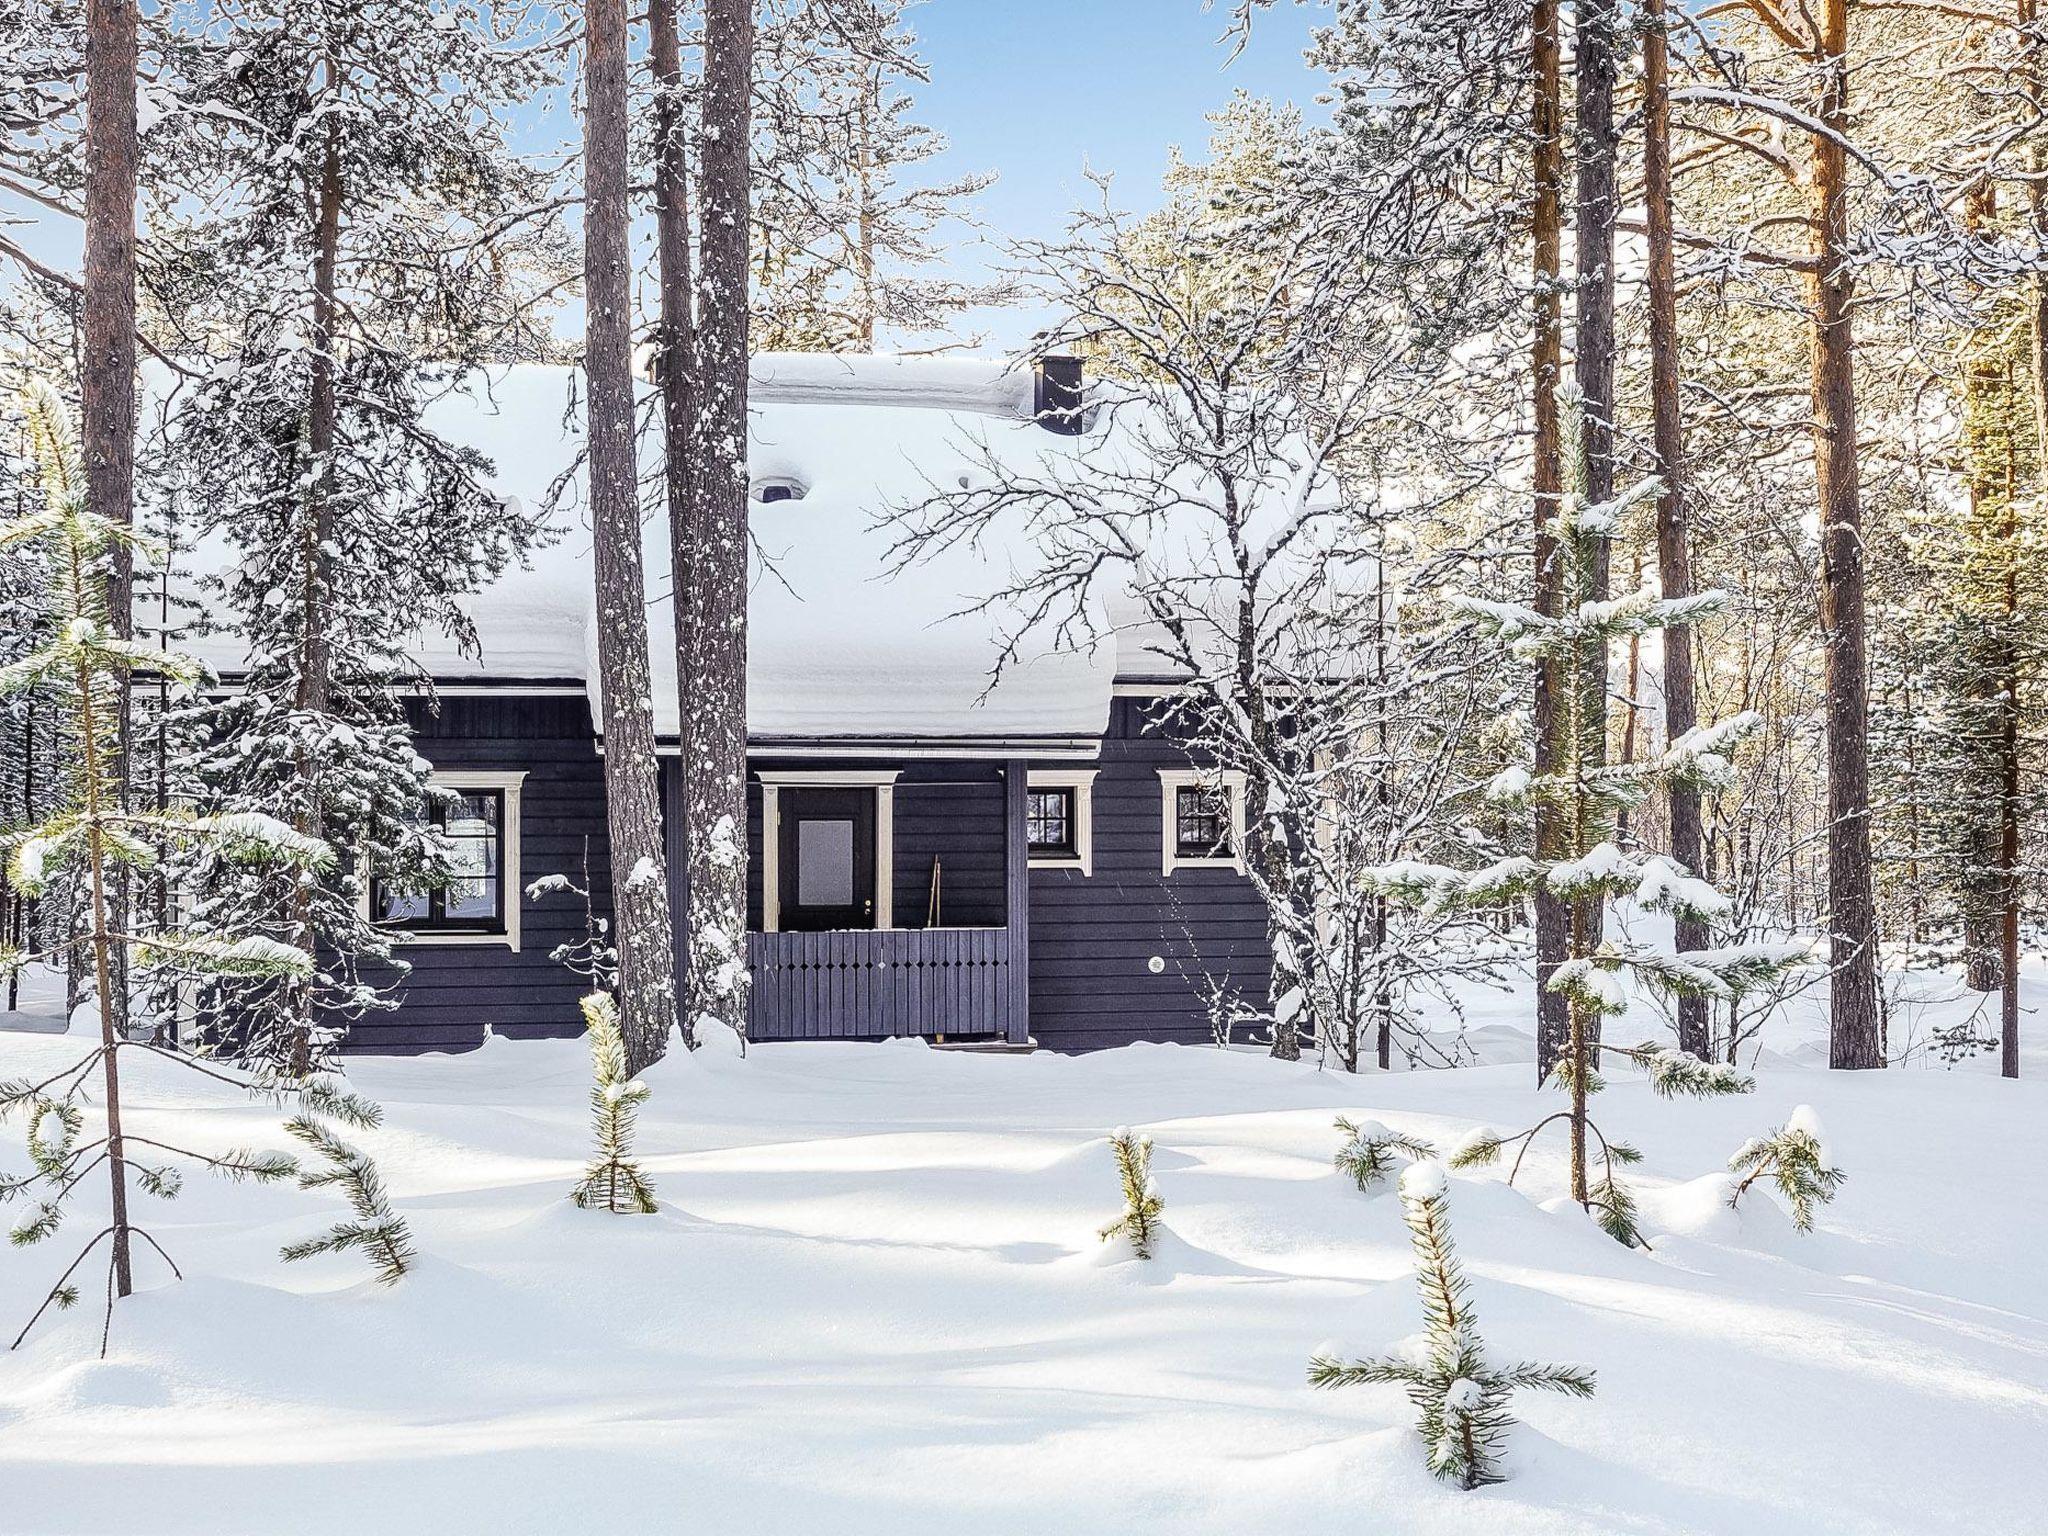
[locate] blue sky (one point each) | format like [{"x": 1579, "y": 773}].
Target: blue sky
[{"x": 1035, "y": 90}]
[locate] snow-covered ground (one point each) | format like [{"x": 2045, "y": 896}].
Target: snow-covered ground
[{"x": 874, "y": 1301}]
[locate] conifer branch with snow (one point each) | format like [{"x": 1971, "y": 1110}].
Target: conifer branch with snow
[
  {"x": 1461, "y": 1399},
  {"x": 1142, "y": 1205},
  {"x": 1795, "y": 1159},
  {"x": 1367, "y": 1155}
]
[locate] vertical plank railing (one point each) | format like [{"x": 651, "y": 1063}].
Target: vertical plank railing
[{"x": 862, "y": 984}]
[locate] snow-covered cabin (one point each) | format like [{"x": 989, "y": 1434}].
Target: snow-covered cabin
[{"x": 931, "y": 854}]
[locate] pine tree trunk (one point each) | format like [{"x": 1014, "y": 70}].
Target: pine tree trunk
[
  {"x": 640, "y": 909},
  {"x": 1674, "y": 555},
  {"x": 2037, "y": 216},
  {"x": 1855, "y": 1033},
  {"x": 1593, "y": 371},
  {"x": 316, "y": 537},
  {"x": 715, "y": 724},
  {"x": 107, "y": 371},
  {"x": 677, "y": 370},
  {"x": 1553, "y": 921}
]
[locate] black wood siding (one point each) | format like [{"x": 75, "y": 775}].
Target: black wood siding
[
  {"x": 455, "y": 991},
  {"x": 1092, "y": 936}
]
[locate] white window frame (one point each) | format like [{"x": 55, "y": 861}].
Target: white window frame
[
  {"x": 774, "y": 780},
  {"x": 1171, "y": 782},
  {"x": 1082, "y": 782},
  {"x": 509, "y": 784}
]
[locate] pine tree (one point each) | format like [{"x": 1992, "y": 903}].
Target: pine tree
[
  {"x": 1142, "y": 1205},
  {"x": 1461, "y": 1400},
  {"x": 356, "y": 236},
  {"x": 847, "y": 232},
  {"x": 1795, "y": 1158},
  {"x": 640, "y": 879},
  {"x": 1368, "y": 1155},
  {"x": 1585, "y": 792},
  {"x": 613, "y": 1181},
  {"x": 712, "y": 617},
  {"x": 377, "y": 1232},
  {"x": 92, "y": 835}
]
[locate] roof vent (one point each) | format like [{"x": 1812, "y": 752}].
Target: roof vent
[
  {"x": 773, "y": 488},
  {"x": 1057, "y": 396}
]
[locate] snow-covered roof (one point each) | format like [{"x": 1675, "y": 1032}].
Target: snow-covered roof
[{"x": 839, "y": 647}]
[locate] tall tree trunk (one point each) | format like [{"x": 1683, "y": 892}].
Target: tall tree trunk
[
  {"x": 1674, "y": 555},
  {"x": 107, "y": 377},
  {"x": 1855, "y": 1032},
  {"x": 715, "y": 724},
  {"x": 640, "y": 909},
  {"x": 2037, "y": 216},
  {"x": 316, "y": 537},
  {"x": 677, "y": 367},
  {"x": 1553, "y": 922},
  {"x": 1593, "y": 372}
]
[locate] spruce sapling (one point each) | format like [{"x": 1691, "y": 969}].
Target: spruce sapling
[
  {"x": 379, "y": 1232},
  {"x": 1142, "y": 1205},
  {"x": 614, "y": 1182},
  {"x": 1369, "y": 1154},
  {"x": 1795, "y": 1158},
  {"x": 1462, "y": 1401}
]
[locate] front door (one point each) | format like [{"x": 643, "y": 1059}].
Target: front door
[{"x": 827, "y": 859}]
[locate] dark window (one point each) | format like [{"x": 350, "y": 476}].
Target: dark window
[
  {"x": 1049, "y": 822},
  {"x": 473, "y": 900},
  {"x": 1201, "y": 822}
]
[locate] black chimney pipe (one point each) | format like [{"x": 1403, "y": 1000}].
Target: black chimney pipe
[{"x": 1057, "y": 396}]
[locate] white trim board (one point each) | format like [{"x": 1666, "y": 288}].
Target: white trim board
[
  {"x": 1082, "y": 782},
  {"x": 1172, "y": 780}
]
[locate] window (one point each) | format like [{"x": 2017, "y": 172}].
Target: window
[
  {"x": 1049, "y": 822},
  {"x": 1201, "y": 819},
  {"x": 1201, "y": 822},
  {"x": 480, "y": 902},
  {"x": 1059, "y": 817}
]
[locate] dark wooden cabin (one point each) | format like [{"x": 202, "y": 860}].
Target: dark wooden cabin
[{"x": 1033, "y": 862}]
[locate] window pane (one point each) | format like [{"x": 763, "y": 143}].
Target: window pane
[
  {"x": 474, "y": 816},
  {"x": 398, "y": 906},
  {"x": 472, "y": 856},
  {"x": 469, "y": 899},
  {"x": 824, "y": 863}
]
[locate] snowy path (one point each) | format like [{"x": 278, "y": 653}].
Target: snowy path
[{"x": 873, "y": 1301}]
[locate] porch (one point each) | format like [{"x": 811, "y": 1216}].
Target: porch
[{"x": 889, "y": 900}]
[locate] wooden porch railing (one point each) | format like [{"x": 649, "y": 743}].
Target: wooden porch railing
[{"x": 851, "y": 984}]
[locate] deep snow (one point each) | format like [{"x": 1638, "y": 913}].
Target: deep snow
[{"x": 874, "y": 1301}]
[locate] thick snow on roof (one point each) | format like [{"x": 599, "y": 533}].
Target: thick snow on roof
[{"x": 839, "y": 646}]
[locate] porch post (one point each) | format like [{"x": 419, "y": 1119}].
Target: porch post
[
  {"x": 678, "y": 866},
  {"x": 1017, "y": 899}
]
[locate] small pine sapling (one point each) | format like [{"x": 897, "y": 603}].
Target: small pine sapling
[
  {"x": 1142, "y": 1205},
  {"x": 1795, "y": 1158},
  {"x": 1462, "y": 1401},
  {"x": 613, "y": 1182},
  {"x": 1368, "y": 1154},
  {"x": 378, "y": 1232},
  {"x": 90, "y": 837}
]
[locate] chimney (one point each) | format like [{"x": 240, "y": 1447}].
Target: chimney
[{"x": 1057, "y": 396}]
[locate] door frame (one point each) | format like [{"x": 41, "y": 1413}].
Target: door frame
[{"x": 880, "y": 780}]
